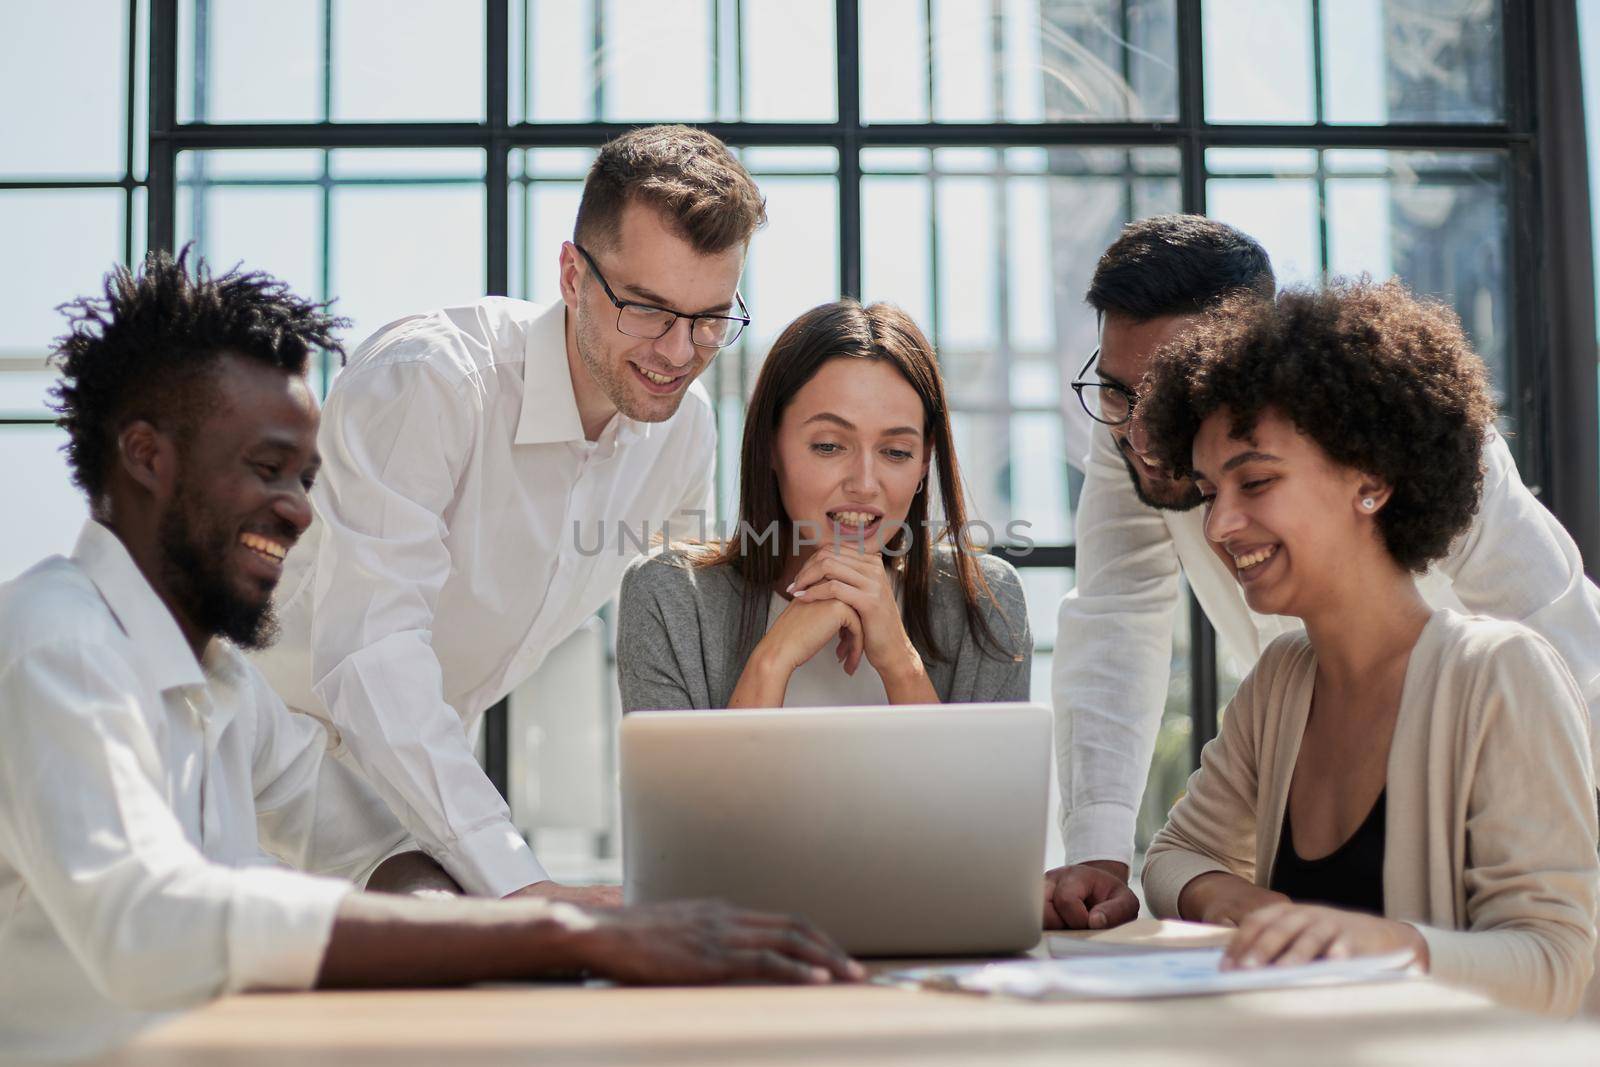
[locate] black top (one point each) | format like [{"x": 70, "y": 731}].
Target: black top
[{"x": 1351, "y": 876}]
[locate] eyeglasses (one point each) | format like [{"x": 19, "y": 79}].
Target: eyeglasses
[
  {"x": 648, "y": 322},
  {"x": 1107, "y": 402}
]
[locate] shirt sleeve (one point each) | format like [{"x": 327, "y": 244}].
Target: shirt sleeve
[
  {"x": 1546, "y": 590},
  {"x": 85, "y": 821},
  {"x": 313, "y": 812},
  {"x": 648, "y": 671},
  {"x": 395, "y": 441},
  {"x": 1531, "y": 874},
  {"x": 1112, "y": 661},
  {"x": 1212, "y": 827}
]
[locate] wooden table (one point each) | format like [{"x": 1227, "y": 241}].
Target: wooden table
[{"x": 1414, "y": 1022}]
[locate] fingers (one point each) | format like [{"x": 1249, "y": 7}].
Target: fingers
[
  {"x": 1265, "y": 934},
  {"x": 1313, "y": 942},
  {"x": 833, "y": 589},
  {"x": 1114, "y": 904},
  {"x": 853, "y": 569},
  {"x": 768, "y": 965},
  {"x": 858, "y": 641},
  {"x": 1067, "y": 900},
  {"x": 798, "y": 943}
]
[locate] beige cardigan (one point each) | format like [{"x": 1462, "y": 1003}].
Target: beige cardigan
[{"x": 1490, "y": 846}]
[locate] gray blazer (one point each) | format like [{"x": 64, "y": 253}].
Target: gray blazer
[{"x": 678, "y": 634}]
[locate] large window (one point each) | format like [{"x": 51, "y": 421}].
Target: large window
[{"x": 967, "y": 159}]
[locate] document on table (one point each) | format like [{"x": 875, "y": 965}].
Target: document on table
[
  {"x": 1142, "y": 935},
  {"x": 1141, "y": 975}
]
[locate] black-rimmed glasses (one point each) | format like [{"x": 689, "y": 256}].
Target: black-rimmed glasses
[
  {"x": 648, "y": 322},
  {"x": 1110, "y": 403}
]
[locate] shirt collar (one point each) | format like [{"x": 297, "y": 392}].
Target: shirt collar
[
  {"x": 168, "y": 661},
  {"x": 549, "y": 405}
]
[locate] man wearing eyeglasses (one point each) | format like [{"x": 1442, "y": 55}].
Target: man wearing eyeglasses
[
  {"x": 488, "y": 471},
  {"x": 1138, "y": 529}
]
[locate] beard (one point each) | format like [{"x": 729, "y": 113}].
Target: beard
[
  {"x": 615, "y": 379},
  {"x": 1184, "y": 495},
  {"x": 194, "y": 546}
]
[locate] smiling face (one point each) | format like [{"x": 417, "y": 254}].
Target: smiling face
[
  {"x": 851, "y": 447},
  {"x": 1125, "y": 350},
  {"x": 644, "y": 379},
  {"x": 240, "y": 501},
  {"x": 1292, "y": 525}
]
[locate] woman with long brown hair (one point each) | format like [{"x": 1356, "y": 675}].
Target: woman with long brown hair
[{"x": 846, "y": 435}]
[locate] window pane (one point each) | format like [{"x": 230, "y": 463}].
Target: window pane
[
  {"x": 788, "y": 53},
  {"x": 246, "y": 61},
  {"x": 1258, "y": 61},
  {"x": 64, "y": 78},
  {"x": 72, "y": 237},
  {"x": 556, "y": 50},
  {"x": 896, "y": 242},
  {"x": 894, "y": 61},
  {"x": 398, "y": 249},
  {"x": 1437, "y": 221},
  {"x": 261, "y": 210},
  {"x": 33, "y": 469},
  {"x": 1280, "y": 211},
  {"x": 991, "y": 250},
  {"x": 1038, "y": 481},
  {"x": 603, "y": 59},
  {"x": 404, "y": 229},
  {"x": 1019, "y": 60},
  {"x": 1412, "y": 61},
  {"x": 756, "y": 60},
  {"x": 545, "y": 197},
  {"x": 793, "y": 266},
  {"x": 393, "y": 60},
  {"x": 276, "y": 229},
  {"x": 410, "y": 60}
]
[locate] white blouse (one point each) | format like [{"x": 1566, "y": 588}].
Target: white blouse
[{"x": 820, "y": 682}]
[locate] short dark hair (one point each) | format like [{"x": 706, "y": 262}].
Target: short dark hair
[
  {"x": 687, "y": 174},
  {"x": 148, "y": 349},
  {"x": 1177, "y": 265},
  {"x": 1383, "y": 382}
]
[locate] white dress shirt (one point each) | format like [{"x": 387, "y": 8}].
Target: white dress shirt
[
  {"x": 146, "y": 802},
  {"x": 465, "y": 527},
  {"x": 1114, "y": 644}
]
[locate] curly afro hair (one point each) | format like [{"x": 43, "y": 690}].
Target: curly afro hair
[
  {"x": 149, "y": 349},
  {"x": 1383, "y": 382}
]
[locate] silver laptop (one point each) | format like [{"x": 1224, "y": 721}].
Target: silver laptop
[{"x": 901, "y": 831}]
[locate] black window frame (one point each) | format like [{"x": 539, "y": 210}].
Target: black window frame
[{"x": 1566, "y": 478}]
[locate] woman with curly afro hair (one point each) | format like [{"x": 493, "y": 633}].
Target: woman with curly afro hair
[{"x": 1395, "y": 778}]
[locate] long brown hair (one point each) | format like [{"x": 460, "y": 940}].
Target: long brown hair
[{"x": 846, "y": 330}]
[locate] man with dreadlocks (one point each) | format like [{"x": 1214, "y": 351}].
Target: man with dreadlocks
[{"x": 153, "y": 788}]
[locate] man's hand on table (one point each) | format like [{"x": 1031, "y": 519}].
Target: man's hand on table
[
  {"x": 588, "y": 896},
  {"x": 702, "y": 942},
  {"x": 1088, "y": 896}
]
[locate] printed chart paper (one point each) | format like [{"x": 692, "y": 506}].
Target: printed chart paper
[{"x": 1145, "y": 974}]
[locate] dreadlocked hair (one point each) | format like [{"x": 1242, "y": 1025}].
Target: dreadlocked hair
[{"x": 149, "y": 347}]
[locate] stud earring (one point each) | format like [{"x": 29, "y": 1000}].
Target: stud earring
[{"x": 1369, "y": 503}]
